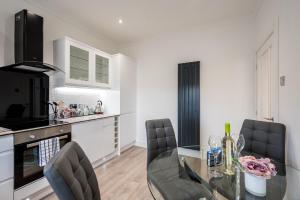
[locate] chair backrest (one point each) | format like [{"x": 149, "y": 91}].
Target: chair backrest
[
  {"x": 71, "y": 174},
  {"x": 264, "y": 138},
  {"x": 160, "y": 137}
]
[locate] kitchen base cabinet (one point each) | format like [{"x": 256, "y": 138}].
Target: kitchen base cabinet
[
  {"x": 107, "y": 138},
  {"x": 96, "y": 137},
  {"x": 6, "y": 143},
  {"x": 127, "y": 130},
  {"x": 7, "y": 165},
  {"x": 7, "y": 190}
]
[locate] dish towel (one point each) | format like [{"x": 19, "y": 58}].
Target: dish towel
[{"x": 47, "y": 149}]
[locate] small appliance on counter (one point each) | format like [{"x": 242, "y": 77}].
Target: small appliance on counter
[
  {"x": 54, "y": 106},
  {"x": 78, "y": 110},
  {"x": 99, "y": 107}
]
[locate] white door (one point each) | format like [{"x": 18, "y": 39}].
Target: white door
[{"x": 267, "y": 81}]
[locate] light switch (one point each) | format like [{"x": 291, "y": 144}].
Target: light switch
[{"x": 282, "y": 80}]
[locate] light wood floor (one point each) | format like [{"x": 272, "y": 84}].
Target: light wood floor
[{"x": 123, "y": 177}]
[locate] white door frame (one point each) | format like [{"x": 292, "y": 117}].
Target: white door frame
[{"x": 272, "y": 39}]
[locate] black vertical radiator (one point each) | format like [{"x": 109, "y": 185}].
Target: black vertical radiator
[{"x": 189, "y": 105}]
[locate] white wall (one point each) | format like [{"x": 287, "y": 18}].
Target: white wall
[
  {"x": 54, "y": 28},
  {"x": 226, "y": 52},
  {"x": 288, "y": 15},
  {"x": 286, "y": 12}
]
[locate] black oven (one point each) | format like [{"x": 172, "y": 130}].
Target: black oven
[{"x": 27, "y": 155}]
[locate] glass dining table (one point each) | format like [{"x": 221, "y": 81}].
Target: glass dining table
[{"x": 174, "y": 165}]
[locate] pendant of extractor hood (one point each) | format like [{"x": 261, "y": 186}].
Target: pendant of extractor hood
[{"x": 29, "y": 44}]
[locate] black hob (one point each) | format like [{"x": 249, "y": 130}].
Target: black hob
[{"x": 26, "y": 124}]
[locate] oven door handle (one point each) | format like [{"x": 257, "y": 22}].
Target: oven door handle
[{"x": 37, "y": 143}]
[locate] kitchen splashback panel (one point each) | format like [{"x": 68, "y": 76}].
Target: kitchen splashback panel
[{"x": 70, "y": 95}]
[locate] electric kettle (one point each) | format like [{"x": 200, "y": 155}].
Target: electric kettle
[{"x": 99, "y": 107}]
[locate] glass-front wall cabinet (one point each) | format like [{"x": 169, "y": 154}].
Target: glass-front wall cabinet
[
  {"x": 102, "y": 69},
  {"x": 79, "y": 64},
  {"x": 83, "y": 65}
]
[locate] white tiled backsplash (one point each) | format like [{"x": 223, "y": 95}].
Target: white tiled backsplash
[{"x": 73, "y": 95}]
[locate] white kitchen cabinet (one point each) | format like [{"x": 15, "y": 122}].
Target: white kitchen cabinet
[
  {"x": 82, "y": 64},
  {"x": 127, "y": 129},
  {"x": 7, "y": 165},
  {"x": 125, "y": 68},
  {"x": 107, "y": 135},
  {"x": 96, "y": 137},
  {"x": 128, "y": 85},
  {"x": 6, "y": 143},
  {"x": 78, "y": 69},
  {"x": 102, "y": 72},
  {"x": 124, "y": 76},
  {"x": 7, "y": 189}
]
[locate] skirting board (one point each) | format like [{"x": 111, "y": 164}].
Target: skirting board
[
  {"x": 104, "y": 160},
  {"x": 141, "y": 144},
  {"x": 127, "y": 146}
]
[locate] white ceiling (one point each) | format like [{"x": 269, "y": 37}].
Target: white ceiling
[{"x": 144, "y": 18}]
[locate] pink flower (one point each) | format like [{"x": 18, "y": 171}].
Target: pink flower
[{"x": 259, "y": 167}]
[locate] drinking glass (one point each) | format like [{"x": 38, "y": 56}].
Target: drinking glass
[
  {"x": 240, "y": 144},
  {"x": 215, "y": 146},
  {"x": 235, "y": 137}
]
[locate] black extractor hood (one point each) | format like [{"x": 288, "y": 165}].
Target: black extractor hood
[{"x": 29, "y": 44}]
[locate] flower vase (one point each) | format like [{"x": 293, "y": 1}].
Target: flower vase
[{"x": 255, "y": 185}]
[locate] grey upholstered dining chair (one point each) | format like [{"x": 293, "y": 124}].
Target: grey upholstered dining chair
[
  {"x": 266, "y": 139},
  {"x": 160, "y": 137},
  {"x": 71, "y": 174}
]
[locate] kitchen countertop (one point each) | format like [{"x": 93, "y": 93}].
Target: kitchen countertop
[
  {"x": 87, "y": 118},
  {"x": 4, "y": 131}
]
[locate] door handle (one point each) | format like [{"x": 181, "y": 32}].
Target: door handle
[{"x": 270, "y": 119}]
